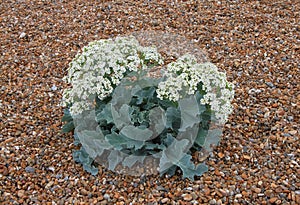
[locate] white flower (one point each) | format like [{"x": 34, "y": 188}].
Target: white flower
[
  {"x": 100, "y": 67},
  {"x": 185, "y": 75}
]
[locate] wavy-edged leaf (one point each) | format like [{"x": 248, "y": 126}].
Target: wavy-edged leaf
[
  {"x": 93, "y": 142},
  {"x": 82, "y": 157},
  {"x": 130, "y": 160},
  {"x": 105, "y": 114},
  {"x": 136, "y": 133},
  {"x": 189, "y": 112},
  {"x": 173, "y": 154},
  {"x": 212, "y": 138},
  {"x": 119, "y": 142},
  {"x": 67, "y": 116},
  {"x": 157, "y": 117},
  {"x": 189, "y": 169},
  {"x": 121, "y": 117},
  {"x": 200, "y": 139},
  {"x": 173, "y": 118},
  {"x": 68, "y": 127},
  {"x": 114, "y": 158}
]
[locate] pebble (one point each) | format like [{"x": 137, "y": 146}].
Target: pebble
[
  {"x": 30, "y": 169},
  {"x": 21, "y": 193},
  {"x": 273, "y": 200},
  {"x": 165, "y": 200},
  {"x": 238, "y": 196},
  {"x": 187, "y": 197}
]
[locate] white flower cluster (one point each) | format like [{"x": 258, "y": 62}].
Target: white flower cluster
[
  {"x": 100, "y": 68},
  {"x": 185, "y": 76}
]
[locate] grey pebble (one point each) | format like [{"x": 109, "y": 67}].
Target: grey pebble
[{"x": 30, "y": 169}]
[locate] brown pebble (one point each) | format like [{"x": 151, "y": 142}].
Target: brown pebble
[
  {"x": 21, "y": 193},
  {"x": 257, "y": 190},
  {"x": 187, "y": 197},
  {"x": 165, "y": 200},
  {"x": 273, "y": 200},
  {"x": 220, "y": 155},
  {"x": 244, "y": 176}
]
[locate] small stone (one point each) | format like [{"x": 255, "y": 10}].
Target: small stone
[
  {"x": 84, "y": 192},
  {"x": 220, "y": 155},
  {"x": 194, "y": 195},
  {"x": 49, "y": 185},
  {"x": 244, "y": 176},
  {"x": 21, "y": 193},
  {"x": 30, "y": 169},
  {"x": 223, "y": 192},
  {"x": 273, "y": 200},
  {"x": 53, "y": 88},
  {"x": 238, "y": 196},
  {"x": 187, "y": 197},
  {"x": 106, "y": 196},
  {"x": 22, "y": 35},
  {"x": 268, "y": 192},
  {"x": 213, "y": 201},
  {"x": 52, "y": 169},
  {"x": 293, "y": 132},
  {"x": 165, "y": 200},
  {"x": 257, "y": 190}
]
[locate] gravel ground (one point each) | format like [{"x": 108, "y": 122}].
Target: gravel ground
[{"x": 256, "y": 42}]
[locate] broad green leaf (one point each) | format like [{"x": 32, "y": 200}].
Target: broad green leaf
[
  {"x": 119, "y": 142},
  {"x": 190, "y": 134},
  {"x": 157, "y": 120},
  {"x": 144, "y": 94},
  {"x": 200, "y": 140},
  {"x": 212, "y": 138},
  {"x": 80, "y": 156},
  {"x": 173, "y": 118},
  {"x": 130, "y": 160},
  {"x": 153, "y": 146},
  {"x": 168, "y": 140},
  {"x": 105, "y": 114},
  {"x": 121, "y": 96},
  {"x": 173, "y": 154},
  {"x": 189, "y": 169},
  {"x": 114, "y": 158},
  {"x": 93, "y": 142},
  {"x": 68, "y": 127},
  {"x": 136, "y": 133},
  {"x": 169, "y": 171},
  {"x": 189, "y": 112},
  {"x": 121, "y": 117},
  {"x": 67, "y": 116}
]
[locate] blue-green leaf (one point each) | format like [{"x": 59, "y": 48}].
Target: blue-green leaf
[
  {"x": 173, "y": 154},
  {"x": 121, "y": 117},
  {"x": 189, "y": 112},
  {"x": 130, "y": 160},
  {"x": 119, "y": 142},
  {"x": 212, "y": 138},
  {"x": 68, "y": 127},
  {"x": 200, "y": 140},
  {"x": 114, "y": 158},
  {"x": 93, "y": 142},
  {"x": 189, "y": 169},
  {"x": 173, "y": 118},
  {"x": 136, "y": 133},
  {"x": 80, "y": 156},
  {"x": 157, "y": 120},
  {"x": 67, "y": 116},
  {"x": 105, "y": 114}
]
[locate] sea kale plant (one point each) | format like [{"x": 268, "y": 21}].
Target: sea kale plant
[{"x": 122, "y": 117}]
